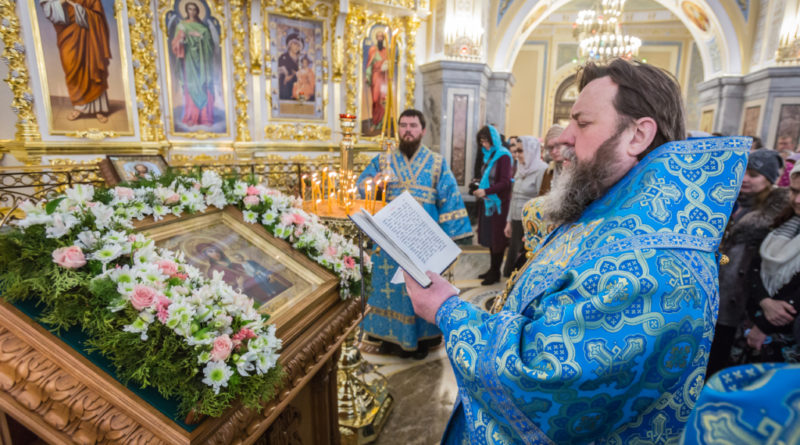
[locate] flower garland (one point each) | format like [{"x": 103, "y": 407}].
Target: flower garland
[{"x": 154, "y": 290}]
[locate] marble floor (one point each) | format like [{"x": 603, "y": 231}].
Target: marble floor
[{"x": 424, "y": 390}]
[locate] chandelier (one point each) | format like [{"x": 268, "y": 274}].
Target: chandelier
[{"x": 599, "y": 33}]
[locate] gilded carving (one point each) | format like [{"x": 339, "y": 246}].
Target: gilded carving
[
  {"x": 412, "y": 23},
  {"x": 255, "y": 49},
  {"x": 18, "y": 77},
  {"x": 298, "y": 132},
  {"x": 239, "y": 16},
  {"x": 93, "y": 134},
  {"x": 145, "y": 70},
  {"x": 178, "y": 158}
]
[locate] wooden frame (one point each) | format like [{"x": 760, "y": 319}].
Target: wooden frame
[
  {"x": 119, "y": 168},
  {"x": 310, "y": 281}
]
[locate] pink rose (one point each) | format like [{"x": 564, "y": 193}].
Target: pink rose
[
  {"x": 182, "y": 276},
  {"x": 123, "y": 192},
  {"x": 69, "y": 257},
  {"x": 222, "y": 348},
  {"x": 251, "y": 200},
  {"x": 349, "y": 262},
  {"x": 286, "y": 219},
  {"x": 142, "y": 296},
  {"x": 167, "y": 267},
  {"x": 172, "y": 199},
  {"x": 196, "y": 186},
  {"x": 298, "y": 219},
  {"x": 252, "y": 190},
  {"x": 331, "y": 251}
]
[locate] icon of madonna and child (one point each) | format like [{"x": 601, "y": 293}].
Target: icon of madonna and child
[{"x": 255, "y": 280}]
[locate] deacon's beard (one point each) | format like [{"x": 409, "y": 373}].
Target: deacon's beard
[
  {"x": 582, "y": 182},
  {"x": 408, "y": 148}
]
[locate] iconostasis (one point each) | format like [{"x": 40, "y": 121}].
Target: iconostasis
[{"x": 235, "y": 78}]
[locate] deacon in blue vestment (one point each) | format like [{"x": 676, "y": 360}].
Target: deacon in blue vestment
[
  {"x": 604, "y": 337},
  {"x": 426, "y": 176}
]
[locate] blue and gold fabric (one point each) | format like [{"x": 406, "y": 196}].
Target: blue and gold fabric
[
  {"x": 429, "y": 180},
  {"x": 605, "y": 336},
  {"x": 749, "y": 404},
  {"x": 534, "y": 224}
]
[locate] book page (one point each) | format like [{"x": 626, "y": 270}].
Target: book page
[
  {"x": 372, "y": 228},
  {"x": 411, "y": 227}
]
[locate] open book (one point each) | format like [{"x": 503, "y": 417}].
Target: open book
[{"x": 405, "y": 231}]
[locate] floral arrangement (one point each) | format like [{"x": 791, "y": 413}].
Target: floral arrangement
[{"x": 156, "y": 317}]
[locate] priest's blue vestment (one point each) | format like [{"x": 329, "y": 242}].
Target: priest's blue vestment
[
  {"x": 605, "y": 336},
  {"x": 429, "y": 180},
  {"x": 757, "y": 403}
]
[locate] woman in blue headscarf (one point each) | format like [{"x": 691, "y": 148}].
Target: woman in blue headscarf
[{"x": 494, "y": 196}]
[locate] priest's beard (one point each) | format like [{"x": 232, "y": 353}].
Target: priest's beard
[
  {"x": 409, "y": 147},
  {"x": 581, "y": 183}
]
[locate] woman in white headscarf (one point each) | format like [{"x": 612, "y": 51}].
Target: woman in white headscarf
[{"x": 527, "y": 153}]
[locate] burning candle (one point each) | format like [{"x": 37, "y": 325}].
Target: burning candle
[{"x": 303, "y": 187}]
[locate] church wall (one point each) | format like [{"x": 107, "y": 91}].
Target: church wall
[
  {"x": 525, "y": 111},
  {"x": 249, "y": 117},
  {"x": 6, "y": 125}
]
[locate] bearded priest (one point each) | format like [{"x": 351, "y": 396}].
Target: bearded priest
[
  {"x": 604, "y": 337},
  {"x": 427, "y": 177}
]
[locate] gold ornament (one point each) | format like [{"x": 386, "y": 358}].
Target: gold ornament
[
  {"x": 298, "y": 132},
  {"x": 18, "y": 76},
  {"x": 145, "y": 70},
  {"x": 238, "y": 17}
]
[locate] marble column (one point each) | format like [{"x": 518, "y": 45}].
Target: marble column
[
  {"x": 497, "y": 99},
  {"x": 771, "y": 94},
  {"x": 456, "y": 104}
]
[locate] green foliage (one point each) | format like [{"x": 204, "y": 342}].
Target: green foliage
[{"x": 71, "y": 297}]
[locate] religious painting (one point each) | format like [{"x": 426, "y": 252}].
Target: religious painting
[
  {"x": 750, "y": 120},
  {"x": 119, "y": 168},
  {"x": 196, "y": 74},
  {"x": 696, "y": 15},
  {"x": 375, "y": 78},
  {"x": 246, "y": 256},
  {"x": 296, "y": 57},
  {"x": 83, "y": 65},
  {"x": 787, "y": 134},
  {"x": 707, "y": 121}
]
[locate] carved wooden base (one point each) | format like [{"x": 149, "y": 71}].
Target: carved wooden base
[{"x": 62, "y": 397}]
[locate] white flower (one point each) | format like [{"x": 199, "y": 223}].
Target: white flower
[
  {"x": 108, "y": 253},
  {"x": 216, "y": 198},
  {"x": 204, "y": 357},
  {"x": 80, "y": 193},
  {"x": 62, "y": 223},
  {"x": 250, "y": 216},
  {"x": 217, "y": 375},
  {"x": 240, "y": 189},
  {"x": 87, "y": 240},
  {"x": 243, "y": 366},
  {"x": 210, "y": 179},
  {"x": 159, "y": 210},
  {"x": 140, "y": 325},
  {"x": 269, "y": 218}
]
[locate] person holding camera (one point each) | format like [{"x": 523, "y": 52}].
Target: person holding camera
[{"x": 494, "y": 196}]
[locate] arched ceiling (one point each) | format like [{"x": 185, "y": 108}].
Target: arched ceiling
[{"x": 718, "y": 44}]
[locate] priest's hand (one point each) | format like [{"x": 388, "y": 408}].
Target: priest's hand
[{"x": 427, "y": 301}]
